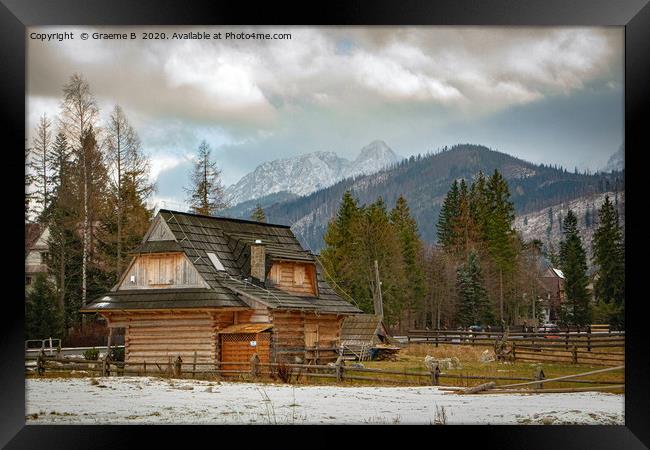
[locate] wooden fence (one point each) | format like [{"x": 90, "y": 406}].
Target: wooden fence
[
  {"x": 255, "y": 370},
  {"x": 586, "y": 347}
]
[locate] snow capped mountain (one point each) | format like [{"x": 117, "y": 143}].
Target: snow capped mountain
[
  {"x": 372, "y": 158},
  {"x": 304, "y": 174}
]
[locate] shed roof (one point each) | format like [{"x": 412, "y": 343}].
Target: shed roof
[{"x": 361, "y": 329}]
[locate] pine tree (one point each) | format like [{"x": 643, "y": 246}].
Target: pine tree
[
  {"x": 338, "y": 242},
  {"x": 42, "y": 315},
  {"x": 411, "y": 249},
  {"x": 499, "y": 231},
  {"x": 258, "y": 214},
  {"x": 573, "y": 263},
  {"x": 473, "y": 306},
  {"x": 206, "y": 194},
  {"x": 448, "y": 216},
  {"x": 374, "y": 238},
  {"x": 609, "y": 258}
]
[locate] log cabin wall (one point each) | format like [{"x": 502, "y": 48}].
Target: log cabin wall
[
  {"x": 305, "y": 335},
  {"x": 154, "y": 336},
  {"x": 297, "y": 278}
]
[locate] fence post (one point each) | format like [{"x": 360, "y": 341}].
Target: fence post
[
  {"x": 589, "y": 339},
  {"x": 514, "y": 351},
  {"x": 539, "y": 375},
  {"x": 435, "y": 375},
  {"x": 194, "y": 366},
  {"x": 566, "y": 339},
  {"x": 177, "y": 366},
  {"x": 169, "y": 366},
  {"x": 574, "y": 354},
  {"x": 436, "y": 335},
  {"x": 340, "y": 368},
  {"x": 255, "y": 368},
  {"x": 40, "y": 363},
  {"x": 144, "y": 366}
]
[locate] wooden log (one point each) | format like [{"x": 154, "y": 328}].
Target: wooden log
[
  {"x": 478, "y": 388},
  {"x": 555, "y": 390},
  {"x": 566, "y": 377}
]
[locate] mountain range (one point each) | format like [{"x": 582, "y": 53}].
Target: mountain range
[
  {"x": 304, "y": 174},
  {"x": 541, "y": 193}
]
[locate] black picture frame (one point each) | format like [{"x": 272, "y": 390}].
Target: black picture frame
[{"x": 634, "y": 15}]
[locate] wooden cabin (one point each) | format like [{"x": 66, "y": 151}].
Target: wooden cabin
[{"x": 223, "y": 289}]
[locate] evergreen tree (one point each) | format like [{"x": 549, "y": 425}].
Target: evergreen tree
[
  {"x": 206, "y": 194},
  {"x": 609, "y": 258},
  {"x": 411, "y": 248},
  {"x": 335, "y": 256},
  {"x": 499, "y": 232},
  {"x": 448, "y": 215},
  {"x": 473, "y": 306},
  {"x": 42, "y": 315},
  {"x": 573, "y": 263},
  {"x": 258, "y": 214},
  {"x": 374, "y": 238}
]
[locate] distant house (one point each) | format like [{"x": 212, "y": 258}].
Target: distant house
[
  {"x": 220, "y": 290},
  {"x": 553, "y": 296},
  {"x": 36, "y": 251}
]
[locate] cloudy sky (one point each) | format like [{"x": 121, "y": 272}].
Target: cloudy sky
[{"x": 552, "y": 95}]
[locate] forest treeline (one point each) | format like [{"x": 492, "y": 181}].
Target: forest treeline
[
  {"x": 481, "y": 272},
  {"x": 88, "y": 182}
]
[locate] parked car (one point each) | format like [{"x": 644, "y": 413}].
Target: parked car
[
  {"x": 551, "y": 330},
  {"x": 476, "y": 328}
]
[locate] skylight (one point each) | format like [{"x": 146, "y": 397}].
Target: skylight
[{"x": 215, "y": 261}]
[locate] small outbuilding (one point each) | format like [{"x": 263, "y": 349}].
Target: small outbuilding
[{"x": 365, "y": 335}]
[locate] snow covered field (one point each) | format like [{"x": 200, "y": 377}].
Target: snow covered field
[{"x": 137, "y": 400}]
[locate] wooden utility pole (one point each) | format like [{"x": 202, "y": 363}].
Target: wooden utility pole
[{"x": 378, "y": 300}]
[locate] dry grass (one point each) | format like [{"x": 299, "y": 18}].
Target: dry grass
[{"x": 462, "y": 352}]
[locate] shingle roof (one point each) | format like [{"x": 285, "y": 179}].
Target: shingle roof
[
  {"x": 360, "y": 329},
  {"x": 165, "y": 298},
  {"x": 156, "y": 247},
  {"x": 230, "y": 240}
]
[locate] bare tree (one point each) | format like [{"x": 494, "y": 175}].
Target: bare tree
[
  {"x": 38, "y": 163},
  {"x": 79, "y": 114},
  {"x": 206, "y": 195},
  {"x": 125, "y": 159}
]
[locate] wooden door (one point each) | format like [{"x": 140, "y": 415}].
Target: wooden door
[{"x": 240, "y": 347}]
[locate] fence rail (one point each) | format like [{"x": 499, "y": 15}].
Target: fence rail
[{"x": 254, "y": 370}]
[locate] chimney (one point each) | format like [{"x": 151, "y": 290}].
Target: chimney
[{"x": 258, "y": 261}]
